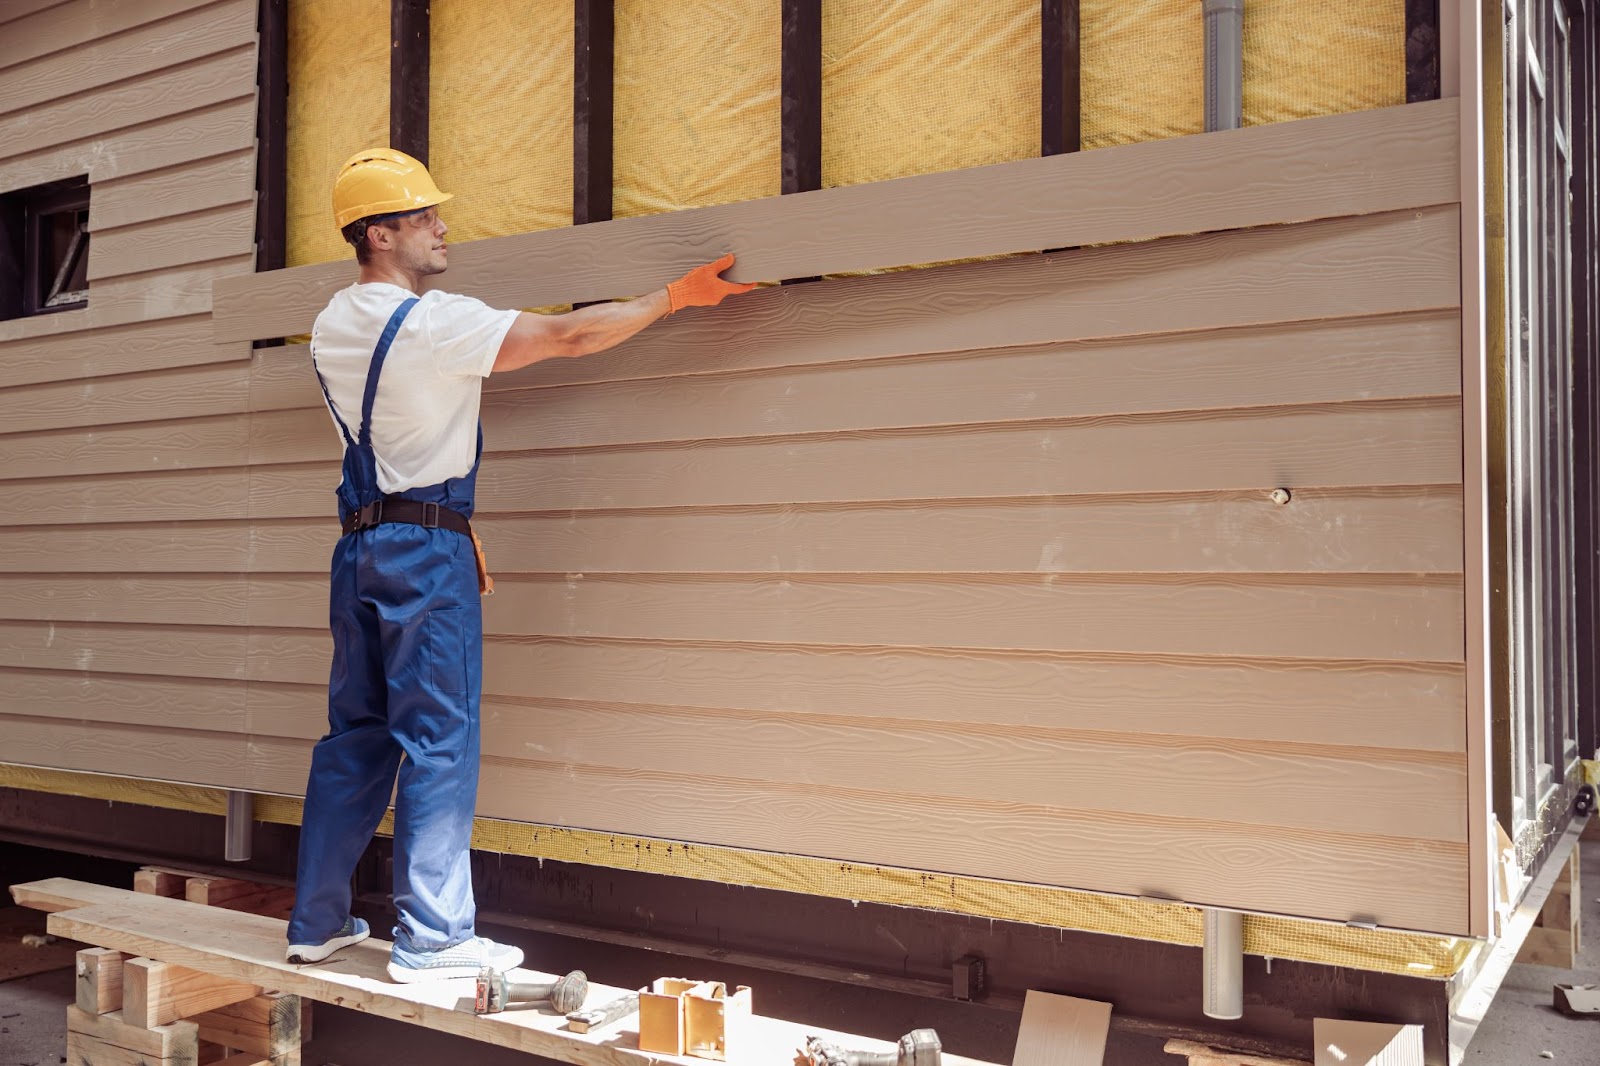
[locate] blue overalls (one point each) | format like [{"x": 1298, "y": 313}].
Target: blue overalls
[{"x": 406, "y": 678}]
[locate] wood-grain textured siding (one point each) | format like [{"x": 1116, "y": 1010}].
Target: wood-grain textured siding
[
  {"x": 154, "y": 102},
  {"x": 974, "y": 569}
]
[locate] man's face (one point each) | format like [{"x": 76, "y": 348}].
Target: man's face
[{"x": 418, "y": 245}]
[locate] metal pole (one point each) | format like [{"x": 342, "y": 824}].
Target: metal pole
[
  {"x": 241, "y": 813},
  {"x": 1223, "y": 960},
  {"x": 1224, "y": 64}
]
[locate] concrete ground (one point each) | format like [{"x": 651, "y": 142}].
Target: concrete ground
[{"x": 1521, "y": 1027}]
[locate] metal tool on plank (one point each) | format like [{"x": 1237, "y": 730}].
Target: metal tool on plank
[
  {"x": 495, "y": 992},
  {"x": 920, "y": 1047}
]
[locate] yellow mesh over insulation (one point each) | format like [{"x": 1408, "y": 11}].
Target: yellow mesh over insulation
[
  {"x": 1143, "y": 64},
  {"x": 1379, "y": 950},
  {"x": 338, "y": 105},
  {"x": 500, "y": 117},
  {"x": 696, "y": 104},
  {"x": 917, "y": 86}
]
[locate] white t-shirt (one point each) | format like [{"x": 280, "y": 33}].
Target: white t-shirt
[{"x": 425, "y": 415}]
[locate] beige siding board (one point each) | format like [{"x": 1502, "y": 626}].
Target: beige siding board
[
  {"x": 1408, "y": 794},
  {"x": 156, "y": 497},
  {"x": 218, "y": 388},
  {"x": 172, "y": 293},
  {"x": 175, "y": 599},
  {"x": 157, "y": 754},
  {"x": 1380, "y": 705},
  {"x": 131, "y": 348},
  {"x": 74, "y": 24},
  {"x": 1406, "y": 443},
  {"x": 1395, "y": 705},
  {"x": 1358, "y": 617},
  {"x": 282, "y": 379},
  {"x": 207, "y": 235},
  {"x": 141, "y": 50},
  {"x": 196, "y": 442},
  {"x": 12, "y": 10},
  {"x": 1386, "y": 160},
  {"x": 223, "y": 76},
  {"x": 159, "y": 547},
  {"x": 1333, "y": 363},
  {"x": 173, "y": 702},
  {"x": 1399, "y": 530},
  {"x": 1370, "y": 878},
  {"x": 197, "y": 134},
  {"x": 129, "y": 648},
  {"x": 215, "y": 182}
]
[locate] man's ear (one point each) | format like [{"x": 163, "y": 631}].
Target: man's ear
[{"x": 378, "y": 236}]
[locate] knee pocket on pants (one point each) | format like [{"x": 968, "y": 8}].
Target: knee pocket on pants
[{"x": 445, "y": 633}]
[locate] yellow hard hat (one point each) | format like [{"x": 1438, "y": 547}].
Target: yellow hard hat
[{"x": 382, "y": 181}]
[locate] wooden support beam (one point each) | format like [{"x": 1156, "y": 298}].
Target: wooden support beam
[
  {"x": 268, "y": 1026},
  {"x": 1060, "y": 128},
  {"x": 1557, "y": 935},
  {"x": 238, "y": 895},
  {"x": 801, "y": 96},
  {"x": 1422, "y": 50},
  {"x": 157, "y": 882},
  {"x": 592, "y": 88},
  {"x": 107, "y": 1040},
  {"x": 157, "y": 993},
  {"x": 408, "y": 77},
  {"x": 272, "y": 135},
  {"x": 99, "y": 986},
  {"x": 1205, "y": 1055}
]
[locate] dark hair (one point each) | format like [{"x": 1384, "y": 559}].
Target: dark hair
[{"x": 356, "y": 233}]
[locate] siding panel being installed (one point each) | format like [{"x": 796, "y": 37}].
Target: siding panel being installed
[{"x": 975, "y": 569}]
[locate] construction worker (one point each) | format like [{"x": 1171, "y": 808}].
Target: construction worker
[{"x": 402, "y": 371}]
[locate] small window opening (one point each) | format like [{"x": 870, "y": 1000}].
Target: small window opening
[{"x": 44, "y": 249}]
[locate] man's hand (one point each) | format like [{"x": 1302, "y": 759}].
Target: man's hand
[{"x": 701, "y": 287}]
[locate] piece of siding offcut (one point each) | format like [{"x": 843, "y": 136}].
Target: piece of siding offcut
[
  {"x": 1342, "y": 1043},
  {"x": 1061, "y": 1031}
]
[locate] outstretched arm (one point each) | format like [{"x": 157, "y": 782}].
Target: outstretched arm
[{"x": 534, "y": 338}]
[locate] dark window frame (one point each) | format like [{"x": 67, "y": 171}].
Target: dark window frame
[{"x": 30, "y": 281}]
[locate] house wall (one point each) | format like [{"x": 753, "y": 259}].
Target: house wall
[{"x": 973, "y": 569}]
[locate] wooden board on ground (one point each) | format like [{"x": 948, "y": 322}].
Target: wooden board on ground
[
  {"x": 1061, "y": 1031},
  {"x": 1343, "y": 1043},
  {"x": 249, "y": 948}
]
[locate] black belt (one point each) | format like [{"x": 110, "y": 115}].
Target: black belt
[{"x": 412, "y": 512}]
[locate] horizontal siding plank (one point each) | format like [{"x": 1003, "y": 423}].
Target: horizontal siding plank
[
  {"x": 74, "y": 24},
  {"x": 1380, "y": 705},
  {"x": 139, "y": 50},
  {"x": 226, "y": 760},
  {"x": 16, "y": 9},
  {"x": 1373, "y": 161},
  {"x": 1389, "y": 619},
  {"x": 205, "y": 442},
  {"x": 1349, "y": 791},
  {"x": 189, "y": 703},
  {"x": 177, "y": 599},
  {"x": 197, "y": 134},
  {"x": 158, "y": 497},
  {"x": 1354, "y": 444},
  {"x": 1382, "y": 359},
  {"x": 223, "y": 76},
  {"x": 160, "y": 294},
  {"x": 157, "y": 547},
  {"x": 218, "y": 181},
  {"x": 111, "y": 350},
  {"x": 1366, "y": 878},
  {"x": 205, "y": 236},
  {"x": 123, "y": 648},
  {"x": 1410, "y": 529},
  {"x": 187, "y": 392}
]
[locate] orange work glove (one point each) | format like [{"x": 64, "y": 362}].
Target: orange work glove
[{"x": 702, "y": 288}]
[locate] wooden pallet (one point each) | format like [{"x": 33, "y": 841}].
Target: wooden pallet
[{"x": 238, "y": 954}]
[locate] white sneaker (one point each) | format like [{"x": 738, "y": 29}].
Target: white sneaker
[
  {"x": 354, "y": 931},
  {"x": 409, "y": 965}
]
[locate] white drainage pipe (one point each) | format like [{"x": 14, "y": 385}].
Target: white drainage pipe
[{"x": 1223, "y": 961}]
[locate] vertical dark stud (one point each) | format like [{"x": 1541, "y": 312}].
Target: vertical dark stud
[
  {"x": 802, "y": 96},
  {"x": 408, "y": 77},
  {"x": 593, "y": 65},
  {"x": 272, "y": 128},
  {"x": 1422, "y": 50},
  {"x": 1059, "y": 104},
  {"x": 1582, "y": 41}
]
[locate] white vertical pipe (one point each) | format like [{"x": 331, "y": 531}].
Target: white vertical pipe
[
  {"x": 1224, "y": 64},
  {"x": 236, "y": 829},
  {"x": 1223, "y": 961}
]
